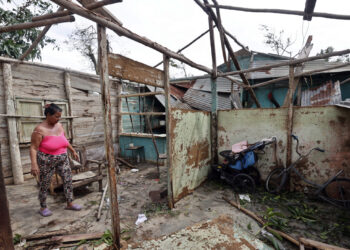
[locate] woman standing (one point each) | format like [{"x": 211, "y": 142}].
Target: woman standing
[{"x": 48, "y": 153}]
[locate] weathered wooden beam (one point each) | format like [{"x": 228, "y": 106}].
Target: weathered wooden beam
[
  {"x": 143, "y": 113},
  {"x": 34, "y": 116},
  {"x": 127, "y": 33},
  {"x": 119, "y": 119},
  {"x": 287, "y": 63},
  {"x": 30, "y": 25},
  {"x": 142, "y": 94},
  {"x": 68, "y": 90},
  {"x": 304, "y": 53},
  {"x": 280, "y": 11},
  {"x": 306, "y": 73},
  {"x": 102, "y": 11},
  {"x": 17, "y": 170},
  {"x": 45, "y": 235},
  {"x": 290, "y": 117},
  {"x": 38, "y": 39},
  {"x": 309, "y": 9},
  {"x": 210, "y": 12},
  {"x": 108, "y": 129},
  {"x": 168, "y": 123},
  {"x": 6, "y": 241},
  {"x": 214, "y": 97},
  {"x": 318, "y": 245}
]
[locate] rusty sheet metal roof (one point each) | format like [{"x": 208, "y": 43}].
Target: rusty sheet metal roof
[
  {"x": 327, "y": 94},
  {"x": 181, "y": 105},
  {"x": 223, "y": 85},
  {"x": 345, "y": 104},
  {"x": 284, "y": 70},
  {"x": 220, "y": 233},
  {"x": 177, "y": 92},
  {"x": 183, "y": 83},
  {"x": 202, "y": 100},
  {"x": 173, "y": 101}
]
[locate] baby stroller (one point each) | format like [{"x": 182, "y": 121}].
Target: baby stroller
[{"x": 238, "y": 168}]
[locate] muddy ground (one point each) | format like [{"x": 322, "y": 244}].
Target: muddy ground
[{"x": 292, "y": 213}]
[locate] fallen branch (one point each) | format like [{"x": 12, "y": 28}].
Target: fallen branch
[
  {"x": 258, "y": 219},
  {"x": 44, "y": 235},
  {"x": 318, "y": 245},
  {"x": 125, "y": 162},
  {"x": 77, "y": 237},
  {"x": 101, "y": 203}
]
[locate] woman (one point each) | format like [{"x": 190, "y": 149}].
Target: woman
[{"x": 48, "y": 153}]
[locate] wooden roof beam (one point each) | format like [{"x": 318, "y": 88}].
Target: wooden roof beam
[
  {"x": 280, "y": 11},
  {"x": 30, "y": 25}
]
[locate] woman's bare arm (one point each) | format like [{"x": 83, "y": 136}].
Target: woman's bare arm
[
  {"x": 34, "y": 146},
  {"x": 75, "y": 155}
]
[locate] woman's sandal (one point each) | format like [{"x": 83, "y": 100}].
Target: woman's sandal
[
  {"x": 74, "y": 207},
  {"x": 45, "y": 212}
]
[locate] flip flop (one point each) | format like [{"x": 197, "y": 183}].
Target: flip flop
[
  {"x": 74, "y": 207},
  {"x": 45, "y": 213}
]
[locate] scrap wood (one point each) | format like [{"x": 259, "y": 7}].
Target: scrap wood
[
  {"x": 258, "y": 219},
  {"x": 125, "y": 162},
  {"x": 45, "y": 235},
  {"x": 318, "y": 245},
  {"x": 101, "y": 203},
  {"x": 77, "y": 237}
]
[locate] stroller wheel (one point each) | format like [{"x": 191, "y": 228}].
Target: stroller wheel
[
  {"x": 254, "y": 173},
  {"x": 243, "y": 183}
]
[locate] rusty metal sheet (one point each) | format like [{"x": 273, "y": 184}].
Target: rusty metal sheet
[
  {"x": 128, "y": 69},
  {"x": 253, "y": 125},
  {"x": 327, "y": 94},
  {"x": 202, "y": 100},
  {"x": 326, "y": 127},
  {"x": 220, "y": 233},
  {"x": 190, "y": 147}
]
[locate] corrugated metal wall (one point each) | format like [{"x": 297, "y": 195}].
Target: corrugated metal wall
[
  {"x": 326, "y": 127},
  {"x": 190, "y": 147}
]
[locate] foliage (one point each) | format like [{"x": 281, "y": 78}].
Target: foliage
[
  {"x": 14, "y": 44},
  {"x": 106, "y": 238},
  {"x": 276, "y": 40},
  {"x": 84, "y": 40},
  {"x": 17, "y": 239},
  {"x": 330, "y": 49},
  {"x": 275, "y": 219}
]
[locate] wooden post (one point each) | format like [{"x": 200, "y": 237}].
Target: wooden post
[
  {"x": 119, "y": 118},
  {"x": 107, "y": 117},
  {"x": 17, "y": 170},
  {"x": 166, "y": 60},
  {"x": 6, "y": 241},
  {"x": 214, "y": 98},
  {"x": 290, "y": 116},
  {"x": 67, "y": 86}
]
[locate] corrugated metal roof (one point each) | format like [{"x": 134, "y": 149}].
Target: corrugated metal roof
[
  {"x": 284, "y": 70},
  {"x": 327, "y": 94},
  {"x": 223, "y": 85},
  {"x": 345, "y": 104},
  {"x": 202, "y": 100}
]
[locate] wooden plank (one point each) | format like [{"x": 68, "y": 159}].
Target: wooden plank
[
  {"x": 144, "y": 113},
  {"x": 67, "y": 85},
  {"x": 77, "y": 237},
  {"x": 142, "y": 94},
  {"x": 318, "y": 245},
  {"x": 6, "y": 241},
  {"x": 106, "y": 109},
  {"x": 168, "y": 123},
  {"x": 128, "y": 69},
  {"x": 12, "y": 126},
  {"x": 290, "y": 117}
]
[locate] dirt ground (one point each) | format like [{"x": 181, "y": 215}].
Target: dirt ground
[{"x": 291, "y": 213}]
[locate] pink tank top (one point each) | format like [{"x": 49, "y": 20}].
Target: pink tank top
[{"x": 54, "y": 145}]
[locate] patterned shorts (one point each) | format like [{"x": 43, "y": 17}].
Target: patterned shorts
[{"x": 48, "y": 164}]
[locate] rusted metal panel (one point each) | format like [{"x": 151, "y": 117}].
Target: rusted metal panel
[
  {"x": 220, "y": 233},
  {"x": 127, "y": 69},
  {"x": 253, "y": 125},
  {"x": 202, "y": 100},
  {"x": 223, "y": 85},
  {"x": 190, "y": 146},
  {"x": 327, "y": 94},
  {"x": 325, "y": 127}
]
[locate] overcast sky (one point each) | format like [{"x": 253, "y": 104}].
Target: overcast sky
[{"x": 174, "y": 23}]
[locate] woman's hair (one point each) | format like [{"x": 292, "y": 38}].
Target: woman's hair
[{"x": 51, "y": 109}]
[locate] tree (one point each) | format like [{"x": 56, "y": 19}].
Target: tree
[
  {"x": 84, "y": 40},
  {"x": 277, "y": 41},
  {"x": 14, "y": 44},
  {"x": 330, "y": 49}
]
